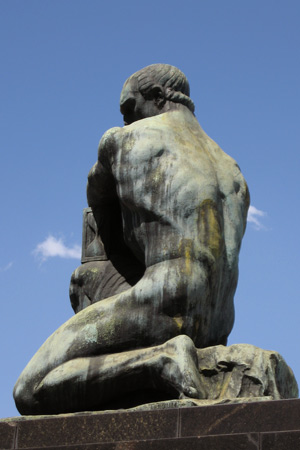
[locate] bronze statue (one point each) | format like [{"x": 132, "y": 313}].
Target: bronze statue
[{"x": 168, "y": 209}]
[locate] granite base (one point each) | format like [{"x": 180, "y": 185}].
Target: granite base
[{"x": 244, "y": 426}]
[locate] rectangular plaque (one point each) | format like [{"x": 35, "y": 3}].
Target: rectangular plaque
[{"x": 92, "y": 245}]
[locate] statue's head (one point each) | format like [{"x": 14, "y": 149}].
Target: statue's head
[{"x": 153, "y": 90}]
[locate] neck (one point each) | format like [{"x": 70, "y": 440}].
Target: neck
[{"x": 172, "y": 106}]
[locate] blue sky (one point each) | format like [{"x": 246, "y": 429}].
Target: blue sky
[{"x": 63, "y": 66}]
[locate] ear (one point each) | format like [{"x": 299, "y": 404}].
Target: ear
[{"x": 158, "y": 95}]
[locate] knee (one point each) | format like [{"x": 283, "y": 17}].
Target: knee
[{"x": 24, "y": 399}]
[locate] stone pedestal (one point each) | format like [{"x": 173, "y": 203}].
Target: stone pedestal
[{"x": 244, "y": 426}]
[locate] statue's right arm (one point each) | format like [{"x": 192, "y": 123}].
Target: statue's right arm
[{"x": 101, "y": 187}]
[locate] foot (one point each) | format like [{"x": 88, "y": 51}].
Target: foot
[{"x": 180, "y": 367}]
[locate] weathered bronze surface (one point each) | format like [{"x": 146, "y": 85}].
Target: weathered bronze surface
[{"x": 160, "y": 263}]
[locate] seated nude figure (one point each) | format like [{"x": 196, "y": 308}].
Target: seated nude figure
[{"x": 180, "y": 204}]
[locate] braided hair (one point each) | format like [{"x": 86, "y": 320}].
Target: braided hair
[{"x": 177, "y": 88}]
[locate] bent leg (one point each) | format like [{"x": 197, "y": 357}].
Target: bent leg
[
  {"x": 94, "y": 383},
  {"x": 162, "y": 305},
  {"x": 96, "y": 280}
]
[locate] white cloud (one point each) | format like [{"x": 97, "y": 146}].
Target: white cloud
[
  {"x": 254, "y": 216},
  {"x": 52, "y": 247},
  {"x": 7, "y": 267}
]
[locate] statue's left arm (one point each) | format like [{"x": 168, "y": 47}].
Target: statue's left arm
[{"x": 101, "y": 190}]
